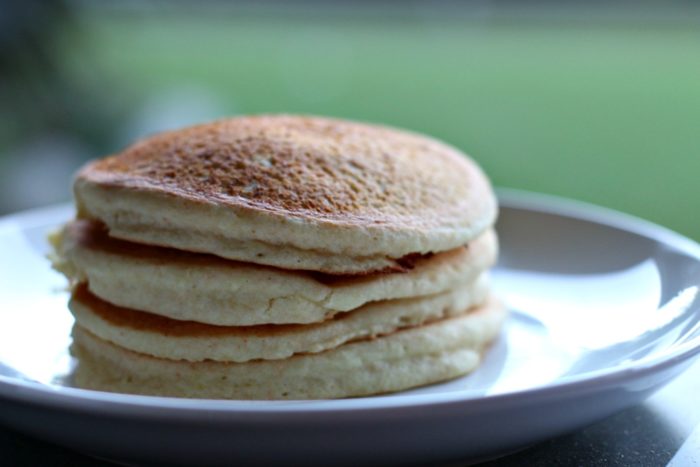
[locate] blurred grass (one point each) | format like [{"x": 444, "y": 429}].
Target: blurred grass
[{"x": 606, "y": 114}]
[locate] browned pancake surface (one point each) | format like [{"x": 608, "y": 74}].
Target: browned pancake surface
[{"x": 306, "y": 167}]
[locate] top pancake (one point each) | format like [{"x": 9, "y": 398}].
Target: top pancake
[{"x": 293, "y": 192}]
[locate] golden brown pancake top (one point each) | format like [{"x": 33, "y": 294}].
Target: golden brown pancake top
[{"x": 305, "y": 167}]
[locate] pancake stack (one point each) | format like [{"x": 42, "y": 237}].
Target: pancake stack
[{"x": 279, "y": 257}]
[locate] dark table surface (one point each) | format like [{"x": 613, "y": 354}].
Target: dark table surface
[{"x": 665, "y": 430}]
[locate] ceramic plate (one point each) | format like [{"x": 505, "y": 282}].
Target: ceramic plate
[{"x": 604, "y": 311}]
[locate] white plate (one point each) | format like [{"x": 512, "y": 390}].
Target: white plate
[{"x": 605, "y": 310}]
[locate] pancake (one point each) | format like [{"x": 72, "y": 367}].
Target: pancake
[
  {"x": 413, "y": 357},
  {"x": 209, "y": 289},
  {"x": 300, "y": 193},
  {"x": 279, "y": 257},
  {"x": 186, "y": 340}
]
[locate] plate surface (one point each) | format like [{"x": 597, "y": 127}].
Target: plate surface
[{"x": 605, "y": 309}]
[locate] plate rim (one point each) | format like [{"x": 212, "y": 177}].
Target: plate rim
[{"x": 82, "y": 400}]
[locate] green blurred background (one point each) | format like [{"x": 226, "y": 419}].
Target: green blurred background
[{"x": 598, "y": 102}]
